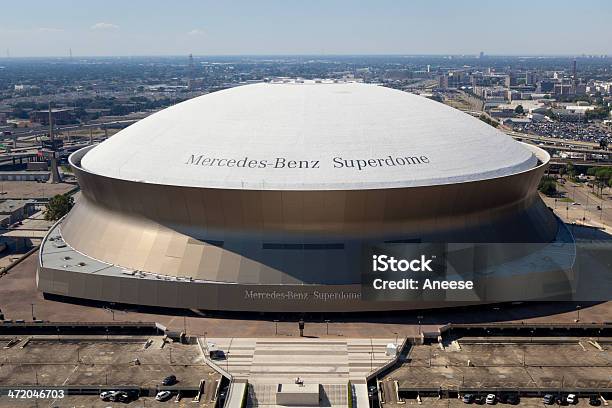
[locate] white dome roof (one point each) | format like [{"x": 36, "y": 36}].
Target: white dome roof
[{"x": 308, "y": 136}]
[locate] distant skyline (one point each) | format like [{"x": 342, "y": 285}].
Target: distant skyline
[{"x": 151, "y": 28}]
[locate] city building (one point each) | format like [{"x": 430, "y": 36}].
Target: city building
[
  {"x": 60, "y": 116},
  {"x": 12, "y": 211},
  {"x": 271, "y": 197}
]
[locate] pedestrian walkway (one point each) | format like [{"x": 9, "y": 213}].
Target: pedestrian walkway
[{"x": 331, "y": 363}]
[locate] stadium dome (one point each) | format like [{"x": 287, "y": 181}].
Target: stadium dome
[
  {"x": 268, "y": 197},
  {"x": 309, "y": 136}
]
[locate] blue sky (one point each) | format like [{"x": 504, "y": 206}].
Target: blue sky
[{"x": 139, "y": 27}]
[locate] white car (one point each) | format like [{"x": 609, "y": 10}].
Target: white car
[
  {"x": 571, "y": 399},
  {"x": 491, "y": 399},
  {"x": 105, "y": 395},
  {"x": 163, "y": 395}
]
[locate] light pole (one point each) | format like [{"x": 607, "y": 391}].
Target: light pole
[
  {"x": 276, "y": 327},
  {"x": 33, "y": 318},
  {"x": 396, "y": 337},
  {"x": 327, "y": 327},
  {"x": 371, "y": 355},
  {"x": 578, "y": 307},
  {"x": 419, "y": 317}
]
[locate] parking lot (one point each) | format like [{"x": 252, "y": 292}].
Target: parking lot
[
  {"x": 457, "y": 403},
  {"x": 100, "y": 361},
  {"x": 488, "y": 365},
  {"x": 584, "y": 132},
  {"x": 92, "y": 401}
]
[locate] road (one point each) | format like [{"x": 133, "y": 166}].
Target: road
[
  {"x": 19, "y": 296},
  {"x": 586, "y": 211}
]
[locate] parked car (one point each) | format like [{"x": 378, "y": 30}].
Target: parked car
[
  {"x": 571, "y": 399},
  {"x": 114, "y": 396},
  {"x": 216, "y": 355},
  {"x": 169, "y": 380},
  {"x": 594, "y": 400},
  {"x": 105, "y": 395},
  {"x": 222, "y": 395},
  {"x": 513, "y": 399},
  {"x": 121, "y": 396},
  {"x": 548, "y": 399},
  {"x": 163, "y": 396},
  {"x": 468, "y": 398},
  {"x": 479, "y": 399},
  {"x": 491, "y": 399}
]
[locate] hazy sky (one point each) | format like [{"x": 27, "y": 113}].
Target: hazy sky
[{"x": 178, "y": 27}]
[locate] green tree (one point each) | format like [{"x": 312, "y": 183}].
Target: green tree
[
  {"x": 603, "y": 175},
  {"x": 519, "y": 110},
  {"x": 58, "y": 206},
  {"x": 548, "y": 186},
  {"x": 491, "y": 122},
  {"x": 562, "y": 171},
  {"x": 571, "y": 170},
  {"x": 600, "y": 112}
]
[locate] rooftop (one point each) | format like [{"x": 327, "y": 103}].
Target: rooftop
[{"x": 308, "y": 135}]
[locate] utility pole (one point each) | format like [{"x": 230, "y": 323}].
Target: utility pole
[
  {"x": 55, "y": 176},
  {"x": 50, "y": 123}
]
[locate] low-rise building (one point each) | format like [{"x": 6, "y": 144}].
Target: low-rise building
[
  {"x": 60, "y": 116},
  {"x": 12, "y": 211}
]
